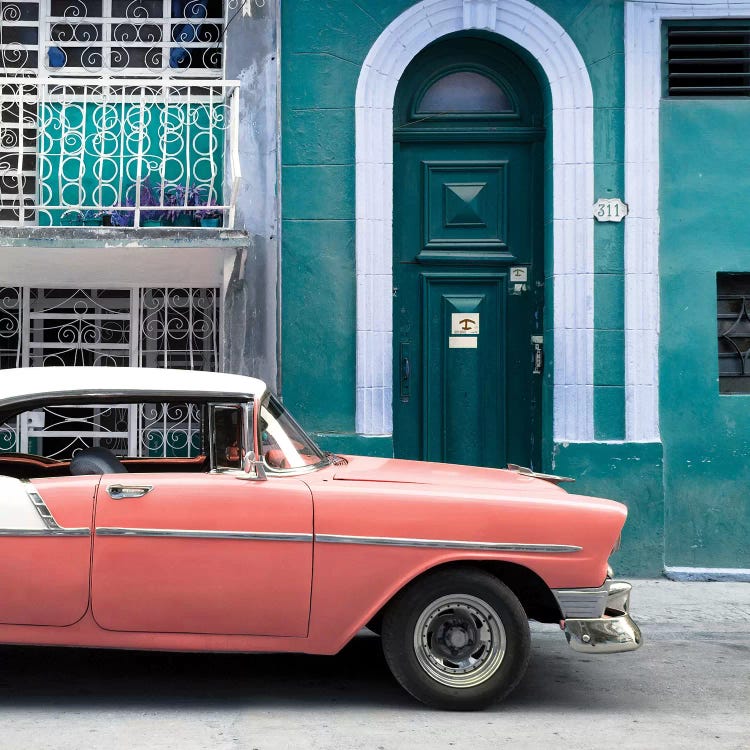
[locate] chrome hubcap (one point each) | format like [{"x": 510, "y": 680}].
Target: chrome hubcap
[{"x": 459, "y": 640}]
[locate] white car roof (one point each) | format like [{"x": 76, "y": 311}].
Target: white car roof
[{"x": 37, "y": 383}]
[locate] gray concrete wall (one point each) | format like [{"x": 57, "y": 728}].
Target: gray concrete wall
[{"x": 251, "y": 329}]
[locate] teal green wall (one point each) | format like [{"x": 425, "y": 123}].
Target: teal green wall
[
  {"x": 632, "y": 474},
  {"x": 686, "y": 502},
  {"x": 705, "y": 228},
  {"x": 323, "y": 46}
]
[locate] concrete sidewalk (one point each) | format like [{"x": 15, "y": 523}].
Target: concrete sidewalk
[{"x": 687, "y": 687}]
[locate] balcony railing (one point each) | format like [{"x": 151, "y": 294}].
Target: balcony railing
[{"x": 125, "y": 152}]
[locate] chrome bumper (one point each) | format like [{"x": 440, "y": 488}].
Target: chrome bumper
[{"x": 610, "y": 634}]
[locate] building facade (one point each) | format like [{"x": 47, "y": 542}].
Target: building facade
[
  {"x": 132, "y": 201},
  {"x": 419, "y": 233},
  {"x": 440, "y": 164}
]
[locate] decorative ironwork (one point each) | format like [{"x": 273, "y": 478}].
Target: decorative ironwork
[
  {"x": 156, "y": 36},
  {"x": 121, "y": 119},
  {"x": 11, "y": 337},
  {"x": 9, "y": 436},
  {"x": 67, "y": 430},
  {"x": 79, "y": 327},
  {"x": 10, "y": 327},
  {"x": 169, "y": 430},
  {"x": 179, "y": 327},
  {"x": 124, "y": 154},
  {"x": 733, "y": 318},
  {"x": 152, "y": 327}
]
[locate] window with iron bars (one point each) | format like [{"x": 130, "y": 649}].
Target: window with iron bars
[
  {"x": 733, "y": 319},
  {"x": 134, "y": 37},
  {"x": 141, "y": 326},
  {"x": 114, "y": 112}
]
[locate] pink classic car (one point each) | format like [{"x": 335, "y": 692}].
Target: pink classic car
[{"x": 229, "y": 530}]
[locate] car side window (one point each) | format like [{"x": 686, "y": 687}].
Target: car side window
[{"x": 227, "y": 432}]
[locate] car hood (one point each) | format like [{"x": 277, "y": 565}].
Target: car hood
[{"x": 367, "y": 469}]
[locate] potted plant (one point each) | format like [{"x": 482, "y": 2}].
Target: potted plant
[
  {"x": 121, "y": 218},
  {"x": 178, "y": 197},
  {"x": 150, "y": 217},
  {"x": 209, "y": 216},
  {"x": 92, "y": 218},
  {"x": 71, "y": 218}
]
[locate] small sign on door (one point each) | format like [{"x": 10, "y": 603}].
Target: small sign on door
[
  {"x": 465, "y": 324},
  {"x": 462, "y": 342}
]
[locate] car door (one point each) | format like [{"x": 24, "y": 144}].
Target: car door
[
  {"x": 202, "y": 553},
  {"x": 45, "y": 549}
]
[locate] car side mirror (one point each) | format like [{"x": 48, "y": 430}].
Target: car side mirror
[{"x": 252, "y": 469}]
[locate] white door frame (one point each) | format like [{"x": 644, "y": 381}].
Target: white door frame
[{"x": 573, "y": 195}]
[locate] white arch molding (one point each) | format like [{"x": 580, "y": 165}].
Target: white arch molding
[{"x": 572, "y": 199}]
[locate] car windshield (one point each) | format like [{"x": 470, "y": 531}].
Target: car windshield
[{"x": 284, "y": 444}]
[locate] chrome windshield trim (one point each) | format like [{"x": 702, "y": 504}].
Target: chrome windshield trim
[
  {"x": 385, "y": 541},
  {"x": 260, "y": 536}
]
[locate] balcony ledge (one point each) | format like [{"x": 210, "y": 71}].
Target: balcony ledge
[{"x": 104, "y": 237}]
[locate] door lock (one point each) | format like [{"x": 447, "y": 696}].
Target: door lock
[
  {"x": 404, "y": 371},
  {"x": 538, "y": 342}
]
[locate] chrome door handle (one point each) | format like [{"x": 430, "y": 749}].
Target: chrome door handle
[{"x": 128, "y": 491}]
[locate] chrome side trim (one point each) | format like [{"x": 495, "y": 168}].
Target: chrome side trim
[
  {"x": 52, "y": 528},
  {"x": 45, "y": 532},
  {"x": 260, "y": 536},
  {"x": 385, "y": 541}
]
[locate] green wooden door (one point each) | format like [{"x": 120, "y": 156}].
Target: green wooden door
[{"x": 468, "y": 272}]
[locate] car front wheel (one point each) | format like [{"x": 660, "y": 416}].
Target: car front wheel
[{"x": 457, "y": 639}]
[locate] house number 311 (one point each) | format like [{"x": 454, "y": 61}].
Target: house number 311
[{"x": 610, "y": 209}]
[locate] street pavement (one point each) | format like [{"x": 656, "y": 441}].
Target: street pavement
[{"x": 687, "y": 687}]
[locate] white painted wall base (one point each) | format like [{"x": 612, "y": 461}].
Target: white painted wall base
[{"x": 738, "y": 575}]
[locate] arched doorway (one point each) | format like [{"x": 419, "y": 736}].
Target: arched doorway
[{"x": 468, "y": 256}]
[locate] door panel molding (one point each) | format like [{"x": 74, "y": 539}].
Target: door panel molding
[
  {"x": 442, "y": 295},
  {"x": 465, "y": 203}
]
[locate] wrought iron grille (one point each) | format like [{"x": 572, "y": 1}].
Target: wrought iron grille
[
  {"x": 79, "y": 327},
  {"x": 154, "y": 327},
  {"x": 121, "y": 153},
  {"x": 114, "y": 112},
  {"x": 733, "y": 318},
  {"x": 145, "y": 37},
  {"x": 10, "y": 327},
  {"x": 11, "y": 337}
]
